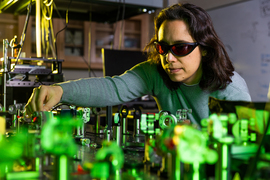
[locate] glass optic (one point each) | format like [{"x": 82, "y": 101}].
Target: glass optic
[{"x": 180, "y": 49}]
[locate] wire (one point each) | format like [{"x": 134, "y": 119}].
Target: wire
[
  {"x": 61, "y": 30},
  {"x": 29, "y": 8},
  {"x": 48, "y": 4},
  {"x": 47, "y": 28},
  {"x": 115, "y": 27},
  {"x": 122, "y": 24},
  {"x": 22, "y": 76},
  {"x": 38, "y": 81},
  {"x": 72, "y": 41},
  {"x": 58, "y": 105},
  {"x": 47, "y": 10}
]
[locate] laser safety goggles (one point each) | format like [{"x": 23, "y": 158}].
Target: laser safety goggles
[{"x": 179, "y": 49}]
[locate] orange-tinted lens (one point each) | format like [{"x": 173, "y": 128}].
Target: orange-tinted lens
[
  {"x": 182, "y": 49},
  {"x": 159, "y": 48}
]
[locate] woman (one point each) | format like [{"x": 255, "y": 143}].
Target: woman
[{"x": 187, "y": 64}]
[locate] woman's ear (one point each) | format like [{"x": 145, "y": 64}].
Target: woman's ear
[{"x": 204, "y": 52}]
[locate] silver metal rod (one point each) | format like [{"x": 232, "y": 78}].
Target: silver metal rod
[
  {"x": 78, "y": 131},
  {"x": 118, "y": 136},
  {"x": 108, "y": 135},
  {"x": 124, "y": 131},
  {"x": 5, "y": 68},
  {"x": 82, "y": 131}
]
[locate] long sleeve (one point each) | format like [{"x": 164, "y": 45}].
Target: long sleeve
[
  {"x": 144, "y": 79},
  {"x": 100, "y": 92}
]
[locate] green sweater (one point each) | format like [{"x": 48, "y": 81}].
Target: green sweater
[{"x": 144, "y": 79}]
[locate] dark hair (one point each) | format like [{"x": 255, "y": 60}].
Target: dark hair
[{"x": 216, "y": 64}]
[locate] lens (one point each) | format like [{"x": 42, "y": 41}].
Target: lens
[
  {"x": 160, "y": 49},
  {"x": 182, "y": 49}
]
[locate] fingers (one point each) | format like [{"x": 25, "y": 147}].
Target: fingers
[
  {"x": 43, "y": 98},
  {"x": 53, "y": 97},
  {"x": 30, "y": 107},
  {"x": 36, "y": 101},
  {"x": 49, "y": 104}
]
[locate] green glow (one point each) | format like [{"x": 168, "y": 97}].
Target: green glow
[
  {"x": 244, "y": 129},
  {"x": 116, "y": 118},
  {"x": 224, "y": 161},
  {"x": 227, "y": 140},
  {"x": 97, "y": 127},
  {"x": 117, "y": 176},
  {"x": 232, "y": 118},
  {"x": 134, "y": 172},
  {"x": 115, "y": 162},
  {"x": 217, "y": 126},
  {"x": 63, "y": 167},
  {"x": 196, "y": 174},
  {"x": 150, "y": 127},
  {"x": 14, "y": 121},
  {"x": 252, "y": 121},
  {"x": 56, "y": 135},
  {"x": 143, "y": 123},
  {"x": 204, "y": 122},
  {"x": 253, "y": 137},
  {"x": 177, "y": 174},
  {"x": 100, "y": 170},
  {"x": 112, "y": 150},
  {"x": 224, "y": 156},
  {"x": 151, "y": 116},
  {"x": 117, "y": 172},
  {"x": 237, "y": 176},
  {"x": 13, "y": 148},
  {"x": 196, "y": 143},
  {"x": 224, "y": 174},
  {"x": 23, "y": 175},
  {"x": 262, "y": 150},
  {"x": 260, "y": 117},
  {"x": 37, "y": 163},
  {"x": 6, "y": 169}
]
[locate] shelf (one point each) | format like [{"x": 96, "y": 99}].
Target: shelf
[
  {"x": 132, "y": 32},
  {"x": 37, "y": 59},
  {"x": 8, "y": 28},
  {"x": 74, "y": 49},
  {"x": 12, "y": 21},
  {"x": 104, "y": 30},
  {"x": 75, "y": 25},
  {"x": 104, "y": 27},
  {"x": 74, "y": 46}
]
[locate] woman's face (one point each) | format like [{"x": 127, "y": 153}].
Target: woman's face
[{"x": 186, "y": 69}]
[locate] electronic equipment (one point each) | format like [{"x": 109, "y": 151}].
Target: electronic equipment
[
  {"x": 20, "y": 76},
  {"x": 31, "y": 69},
  {"x": 58, "y": 144}
]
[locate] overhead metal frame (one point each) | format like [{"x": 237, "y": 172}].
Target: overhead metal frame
[{"x": 85, "y": 10}]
